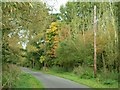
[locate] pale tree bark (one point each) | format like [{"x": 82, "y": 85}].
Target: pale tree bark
[{"x": 95, "y": 23}]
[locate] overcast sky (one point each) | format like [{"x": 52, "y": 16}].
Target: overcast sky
[{"x": 55, "y": 4}]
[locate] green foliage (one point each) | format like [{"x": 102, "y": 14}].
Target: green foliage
[
  {"x": 86, "y": 72},
  {"x": 104, "y": 76},
  {"x": 58, "y": 69},
  {"x": 66, "y": 58},
  {"x": 79, "y": 42},
  {"x": 73, "y": 52},
  {"x": 42, "y": 59},
  {"x": 10, "y": 74},
  {"x": 91, "y": 82},
  {"x": 78, "y": 70},
  {"x": 67, "y": 44},
  {"x": 18, "y": 28},
  {"x": 27, "y": 81}
]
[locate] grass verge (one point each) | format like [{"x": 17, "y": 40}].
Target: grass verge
[
  {"x": 92, "y": 83},
  {"x": 27, "y": 81}
]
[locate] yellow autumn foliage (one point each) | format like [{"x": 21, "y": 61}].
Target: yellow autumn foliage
[
  {"x": 42, "y": 59},
  {"x": 53, "y": 29},
  {"x": 53, "y": 24},
  {"x": 52, "y": 37}
]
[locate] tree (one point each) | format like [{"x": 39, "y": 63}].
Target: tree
[
  {"x": 79, "y": 16},
  {"x": 95, "y": 67},
  {"x": 19, "y": 27},
  {"x": 11, "y": 25}
]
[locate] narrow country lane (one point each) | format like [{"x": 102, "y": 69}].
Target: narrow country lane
[{"x": 50, "y": 81}]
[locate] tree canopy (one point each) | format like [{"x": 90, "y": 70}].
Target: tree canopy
[{"x": 33, "y": 37}]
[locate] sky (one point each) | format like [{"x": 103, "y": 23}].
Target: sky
[{"x": 55, "y": 4}]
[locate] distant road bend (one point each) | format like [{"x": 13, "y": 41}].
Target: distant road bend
[{"x": 50, "y": 81}]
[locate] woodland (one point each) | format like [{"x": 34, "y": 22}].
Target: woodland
[{"x": 83, "y": 39}]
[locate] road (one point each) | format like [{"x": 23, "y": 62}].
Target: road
[{"x": 50, "y": 81}]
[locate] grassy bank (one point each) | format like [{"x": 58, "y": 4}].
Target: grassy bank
[
  {"x": 27, "y": 81},
  {"x": 90, "y": 82},
  {"x": 93, "y": 83}
]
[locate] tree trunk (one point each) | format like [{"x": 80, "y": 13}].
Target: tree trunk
[{"x": 95, "y": 67}]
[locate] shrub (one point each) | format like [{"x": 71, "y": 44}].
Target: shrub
[
  {"x": 10, "y": 74},
  {"x": 78, "y": 70},
  {"x": 58, "y": 69},
  {"x": 68, "y": 54},
  {"x": 108, "y": 77},
  {"x": 85, "y": 72}
]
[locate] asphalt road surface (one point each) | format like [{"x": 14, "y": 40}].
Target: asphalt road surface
[{"x": 50, "y": 81}]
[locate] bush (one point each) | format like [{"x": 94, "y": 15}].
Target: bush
[
  {"x": 10, "y": 74},
  {"x": 78, "y": 70},
  {"x": 58, "y": 69},
  {"x": 108, "y": 77},
  {"x": 85, "y": 72},
  {"x": 67, "y": 54}
]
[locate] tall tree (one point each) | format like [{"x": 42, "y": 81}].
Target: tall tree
[{"x": 95, "y": 57}]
